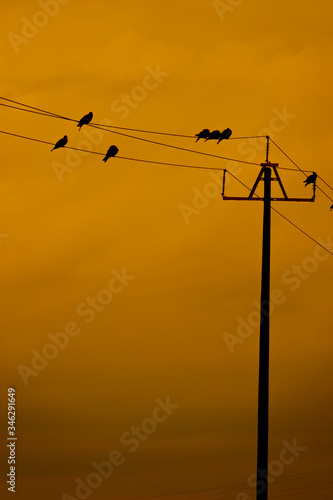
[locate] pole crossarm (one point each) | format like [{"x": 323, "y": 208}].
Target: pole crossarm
[
  {"x": 254, "y": 197},
  {"x": 246, "y": 198}
]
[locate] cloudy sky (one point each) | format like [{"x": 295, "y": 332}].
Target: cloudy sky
[{"x": 130, "y": 289}]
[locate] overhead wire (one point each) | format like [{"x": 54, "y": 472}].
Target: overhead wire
[
  {"x": 168, "y": 164},
  {"x": 107, "y": 128},
  {"x": 118, "y": 156},
  {"x": 175, "y": 147},
  {"x": 322, "y": 180},
  {"x": 303, "y": 171},
  {"x": 102, "y": 127},
  {"x": 48, "y": 113},
  {"x": 32, "y": 109},
  {"x": 174, "y": 165}
]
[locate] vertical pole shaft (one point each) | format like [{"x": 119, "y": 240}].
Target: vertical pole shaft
[
  {"x": 267, "y": 147},
  {"x": 262, "y": 450}
]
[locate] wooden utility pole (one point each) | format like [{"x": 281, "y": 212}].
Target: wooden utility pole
[
  {"x": 265, "y": 174},
  {"x": 263, "y": 392}
]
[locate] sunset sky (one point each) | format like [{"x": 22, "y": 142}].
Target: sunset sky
[{"x": 130, "y": 289}]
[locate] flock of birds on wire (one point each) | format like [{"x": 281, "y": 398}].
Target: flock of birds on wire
[
  {"x": 204, "y": 134},
  {"x": 113, "y": 150}
]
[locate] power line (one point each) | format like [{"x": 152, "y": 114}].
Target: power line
[
  {"x": 165, "y": 164},
  {"x": 175, "y": 147},
  {"x": 107, "y": 128},
  {"x": 285, "y": 154},
  {"x": 169, "y": 164},
  {"x": 324, "y": 182},
  {"x": 303, "y": 171},
  {"x": 118, "y": 157},
  {"x": 49, "y": 113},
  {"x": 39, "y": 111},
  {"x": 284, "y": 217},
  {"x": 33, "y": 109},
  {"x": 25, "y": 137}
]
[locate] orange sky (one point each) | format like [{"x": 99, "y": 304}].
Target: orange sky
[{"x": 144, "y": 267}]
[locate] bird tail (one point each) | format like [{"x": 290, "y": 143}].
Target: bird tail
[
  {"x": 79, "y": 126},
  {"x": 104, "y": 159},
  {"x": 52, "y": 149},
  {"x": 197, "y": 139}
]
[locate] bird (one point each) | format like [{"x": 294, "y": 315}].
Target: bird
[
  {"x": 331, "y": 207},
  {"x": 85, "y": 120},
  {"x": 213, "y": 135},
  {"x": 61, "y": 143},
  {"x": 112, "y": 151},
  {"x": 203, "y": 134},
  {"x": 311, "y": 179},
  {"x": 224, "y": 135}
]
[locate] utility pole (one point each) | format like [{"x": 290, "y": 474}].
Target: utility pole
[
  {"x": 263, "y": 389},
  {"x": 265, "y": 174}
]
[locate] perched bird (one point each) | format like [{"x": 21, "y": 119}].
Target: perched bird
[
  {"x": 224, "y": 135},
  {"x": 112, "y": 151},
  {"x": 85, "y": 120},
  {"x": 213, "y": 135},
  {"x": 203, "y": 134},
  {"x": 331, "y": 207},
  {"x": 311, "y": 179},
  {"x": 61, "y": 143}
]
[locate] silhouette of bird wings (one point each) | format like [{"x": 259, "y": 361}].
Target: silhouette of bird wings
[
  {"x": 85, "y": 120},
  {"x": 203, "y": 134},
  {"x": 112, "y": 151},
  {"x": 61, "y": 143},
  {"x": 213, "y": 135},
  {"x": 224, "y": 135},
  {"x": 311, "y": 179}
]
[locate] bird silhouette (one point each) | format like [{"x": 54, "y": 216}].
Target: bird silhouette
[
  {"x": 85, "y": 120},
  {"x": 213, "y": 135},
  {"x": 112, "y": 151},
  {"x": 224, "y": 135},
  {"x": 61, "y": 143},
  {"x": 203, "y": 134},
  {"x": 331, "y": 207},
  {"x": 311, "y": 179}
]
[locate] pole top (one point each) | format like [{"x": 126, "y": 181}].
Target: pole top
[{"x": 267, "y": 148}]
